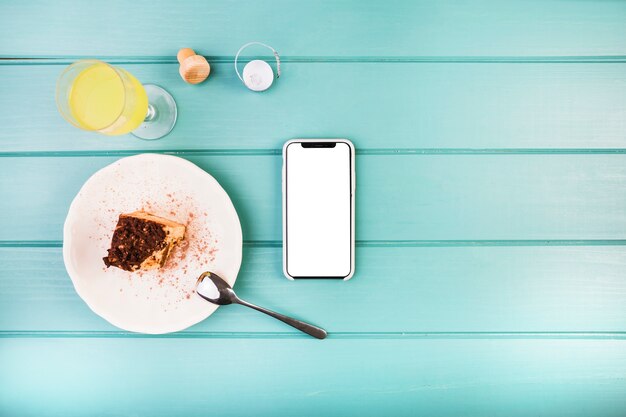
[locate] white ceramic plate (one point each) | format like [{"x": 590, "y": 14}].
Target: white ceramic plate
[{"x": 158, "y": 301}]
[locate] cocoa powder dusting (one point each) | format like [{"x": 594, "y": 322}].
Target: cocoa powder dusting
[{"x": 198, "y": 251}]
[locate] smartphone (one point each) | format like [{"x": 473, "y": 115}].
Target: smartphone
[{"x": 318, "y": 208}]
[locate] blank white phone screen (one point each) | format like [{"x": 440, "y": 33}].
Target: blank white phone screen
[{"x": 318, "y": 210}]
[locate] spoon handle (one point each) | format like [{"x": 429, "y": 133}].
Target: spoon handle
[{"x": 309, "y": 329}]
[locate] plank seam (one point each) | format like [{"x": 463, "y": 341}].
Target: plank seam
[
  {"x": 16, "y": 59},
  {"x": 380, "y": 243},
  {"x": 276, "y": 152},
  {"x": 75, "y": 334}
]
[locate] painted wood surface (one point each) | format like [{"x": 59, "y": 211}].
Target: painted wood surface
[
  {"x": 399, "y": 197},
  {"x": 491, "y": 192},
  {"x": 377, "y": 105},
  {"x": 327, "y": 28},
  {"x": 285, "y": 377},
  {"x": 400, "y": 290}
]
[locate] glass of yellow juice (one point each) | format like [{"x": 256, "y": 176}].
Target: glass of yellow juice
[{"x": 99, "y": 97}]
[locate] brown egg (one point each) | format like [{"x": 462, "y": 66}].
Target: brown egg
[{"x": 193, "y": 68}]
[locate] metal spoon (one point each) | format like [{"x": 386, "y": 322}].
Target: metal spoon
[{"x": 214, "y": 289}]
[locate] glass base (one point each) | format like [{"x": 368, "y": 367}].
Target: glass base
[{"x": 164, "y": 118}]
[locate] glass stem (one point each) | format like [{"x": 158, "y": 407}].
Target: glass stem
[{"x": 151, "y": 113}]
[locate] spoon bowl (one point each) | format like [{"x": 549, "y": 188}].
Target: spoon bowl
[{"x": 215, "y": 289}]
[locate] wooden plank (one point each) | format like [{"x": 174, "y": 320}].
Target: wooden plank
[
  {"x": 234, "y": 377},
  {"x": 321, "y": 28},
  {"x": 413, "y": 197},
  {"x": 396, "y": 290},
  {"x": 383, "y": 106}
]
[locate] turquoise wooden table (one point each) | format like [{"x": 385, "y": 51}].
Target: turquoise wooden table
[{"x": 491, "y": 207}]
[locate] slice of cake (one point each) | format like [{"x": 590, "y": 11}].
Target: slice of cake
[{"x": 143, "y": 241}]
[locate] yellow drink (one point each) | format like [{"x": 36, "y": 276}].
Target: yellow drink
[
  {"x": 107, "y": 100},
  {"x": 99, "y": 97}
]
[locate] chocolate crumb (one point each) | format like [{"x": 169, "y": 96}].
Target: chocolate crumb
[{"x": 134, "y": 240}]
